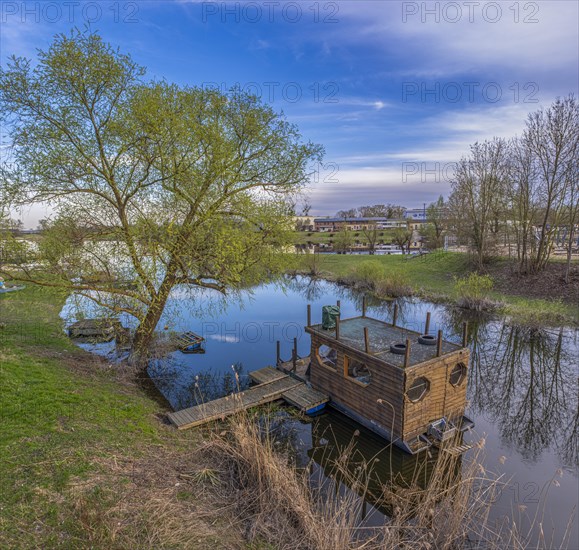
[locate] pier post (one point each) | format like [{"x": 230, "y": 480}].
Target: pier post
[
  {"x": 309, "y": 315},
  {"x": 338, "y": 303},
  {"x": 395, "y": 315},
  {"x": 278, "y": 352},
  {"x": 464, "y": 334},
  {"x": 366, "y": 340},
  {"x": 295, "y": 355},
  {"x": 364, "y": 306},
  {"x": 338, "y": 327},
  {"x": 427, "y": 327},
  {"x": 439, "y": 344},
  {"x": 407, "y": 353}
]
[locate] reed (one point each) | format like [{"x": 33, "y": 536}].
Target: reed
[{"x": 288, "y": 507}]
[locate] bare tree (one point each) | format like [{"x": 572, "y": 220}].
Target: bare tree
[
  {"x": 370, "y": 232},
  {"x": 477, "y": 198},
  {"x": 552, "y": 137},
  {"x": 436, "y": 225},
  {"x": 351, "y": 213},
  {"x": 402, "y": 237}
]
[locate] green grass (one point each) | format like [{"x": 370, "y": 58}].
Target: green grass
[
  {"x": 319, "y": 237},
  {"x": 61, "y": 420},
  {"x": 432, "y": 277}
]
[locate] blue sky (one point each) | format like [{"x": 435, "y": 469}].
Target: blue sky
[{"x": 395, "y": 91}]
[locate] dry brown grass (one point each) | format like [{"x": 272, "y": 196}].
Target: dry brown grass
[
  {"x": 279, "y": 505},
  {"x": 149, "y": 502}
]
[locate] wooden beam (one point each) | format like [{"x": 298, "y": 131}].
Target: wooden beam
[
  {"x": 407, "y": 353},
  {"x": 278, "y": 352},
  {"x": 395, "y": 318},
  {"x": 366, "y": 340},
  {"x": 464, "y": 334},
  {"x": 427, "y": 327},
  {"x": 309, "y": 315},
  {"x": 338, "y": 327},
  {"x": 439, "y": 344},
  {"x": 364, "y": 306}
]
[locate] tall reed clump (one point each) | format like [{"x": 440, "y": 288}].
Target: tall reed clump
[
  {"x": 474, "y": 292},
  {"x": 372, "y": 275},
  {"x": 280, "y": 505}
]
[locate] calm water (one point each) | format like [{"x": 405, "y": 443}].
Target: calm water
[{"x": 523, "y": 386}]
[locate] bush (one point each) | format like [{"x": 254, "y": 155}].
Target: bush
[
  {"x": 473, "y": 292},
  {"x": 367, "y": 273},
  {"x": 393, "y": 285}
]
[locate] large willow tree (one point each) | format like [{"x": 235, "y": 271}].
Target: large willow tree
[{"x": 152, "y": 184}]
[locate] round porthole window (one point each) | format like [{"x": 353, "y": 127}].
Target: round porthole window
[
  {"x": 418, "y": 390},
  {"x": 458, "y": 374},
  {"x": 327, "y": 356}
]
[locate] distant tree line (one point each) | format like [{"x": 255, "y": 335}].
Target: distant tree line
[{"x": 374, "y": 211}]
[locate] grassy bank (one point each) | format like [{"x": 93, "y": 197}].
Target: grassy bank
[
  {"x": 432, "y": 277},
  {"x": 385, "y": 236},
  {"x": 85, "y": 460}
]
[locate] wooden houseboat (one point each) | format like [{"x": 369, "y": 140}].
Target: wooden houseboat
[{"x": 406, "y": 386}]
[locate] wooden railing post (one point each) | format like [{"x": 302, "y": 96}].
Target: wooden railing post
[
  {"x": 464, "y": 334},
  {"x": 278, "y": 352},
  {"x": 338, "y": 327},
  {"x": 407, "y": 353},
  {"x": 395, "y": 318},
  {"x": 295, "y": 355},
  {"x": 439, "y": 344},
  {"x": 427, "y": 327},
  {"x": 364, "y": 306},
  {"x": 309, "y": 315},
  {"x": 366, "y": 340}
]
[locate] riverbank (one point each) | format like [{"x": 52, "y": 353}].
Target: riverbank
[
  {"x": 86, "y": 458},
  {"x": 537, "y": 300},
  {"x": 89, "y": 462}
]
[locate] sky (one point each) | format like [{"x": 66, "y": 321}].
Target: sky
[{"x": 395, "y": 91}]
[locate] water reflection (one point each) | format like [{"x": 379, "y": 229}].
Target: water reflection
[
  {"x": 197, "y": 388},
  {"x": 356, "y": 459},
  {"x": 524, "y": 380}
]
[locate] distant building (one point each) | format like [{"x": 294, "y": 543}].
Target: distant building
[
  {"x": 418, "y": 214},
  {"x": 356, "y": 224},
  {"x": 304, "y": 223}
]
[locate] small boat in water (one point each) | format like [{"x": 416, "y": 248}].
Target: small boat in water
[{"x": 189, "y": 342}]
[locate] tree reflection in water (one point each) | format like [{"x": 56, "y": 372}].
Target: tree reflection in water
[
  {"x": 524, "y": 380},
  {"x": 198, "y": 388}
]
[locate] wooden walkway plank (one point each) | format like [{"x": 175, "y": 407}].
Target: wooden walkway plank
[
  {"x": 226, "y": 406},
  {"x": 266, "y": 375},
  {"x": 305, "y": 398}
]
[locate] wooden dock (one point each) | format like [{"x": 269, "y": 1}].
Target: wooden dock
[{"x": 272, "y": 385}]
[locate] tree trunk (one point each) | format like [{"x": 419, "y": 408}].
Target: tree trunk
[
  {"x": 569, "y": 252},
  {"x": 145, "y": 333}
]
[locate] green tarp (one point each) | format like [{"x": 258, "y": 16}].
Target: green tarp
[{"x": 329, "y": 314}]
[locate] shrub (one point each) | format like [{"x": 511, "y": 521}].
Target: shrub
[
  {"x": 393, "y": 285},
  {"x": 473, "y": 292},
  {"x": 367, "y": 273}
]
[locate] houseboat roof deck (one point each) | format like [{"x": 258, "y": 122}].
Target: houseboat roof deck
[{"x": 381, "y": 335}]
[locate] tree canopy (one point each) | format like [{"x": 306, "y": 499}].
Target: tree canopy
[{"x": 152, "y": 184}]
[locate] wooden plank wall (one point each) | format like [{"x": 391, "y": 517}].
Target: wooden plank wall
[
  {"x": 443, "y": 399},
  {"x": 387, "y": 384}
]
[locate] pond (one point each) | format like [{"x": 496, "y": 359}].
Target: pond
[{"x": 522, "y": 387}]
